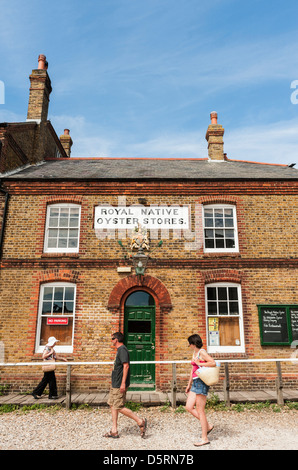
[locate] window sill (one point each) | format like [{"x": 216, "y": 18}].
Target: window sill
[
  {"x": 60, "y": 255},
  {"x": 216, "y": 254}
]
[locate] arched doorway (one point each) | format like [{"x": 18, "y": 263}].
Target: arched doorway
[
  {"x": 163, "y": 306},
  {"x": 139, "y": 333}
]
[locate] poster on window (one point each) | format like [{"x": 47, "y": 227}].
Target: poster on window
[{"x": 213, "y": 338}]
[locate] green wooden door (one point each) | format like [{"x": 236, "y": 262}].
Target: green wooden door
[{"x": 140, "y": 342}]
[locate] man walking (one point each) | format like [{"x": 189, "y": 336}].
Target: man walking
[{"x": 120, "y": 383}]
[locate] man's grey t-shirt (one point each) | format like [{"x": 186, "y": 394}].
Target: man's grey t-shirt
[{"x": 122, "y": 356}]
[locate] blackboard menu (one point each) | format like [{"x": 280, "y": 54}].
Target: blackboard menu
[
  {"x": 294, "y": 323},
  {"x": 273, "y": 324}
]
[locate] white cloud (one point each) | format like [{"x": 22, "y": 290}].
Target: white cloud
[{"x": 271, "y": 143}]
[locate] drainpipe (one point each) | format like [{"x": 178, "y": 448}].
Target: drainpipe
[{"x": 4, "y": 218}]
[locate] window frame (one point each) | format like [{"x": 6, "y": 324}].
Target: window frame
[
  {"x": 46, "y": 248},
  {"x": 235, "y": 228},
  {"x": 62, "y": 349},
  {"x": 226, "y": 349}
]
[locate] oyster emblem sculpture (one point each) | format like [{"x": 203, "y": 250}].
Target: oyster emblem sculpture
[{"x": 139, "y": 239}]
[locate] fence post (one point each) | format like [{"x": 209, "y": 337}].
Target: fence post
[
  {"x": 174, "y": 386},
  {"x": 227, "y": 385},
  {"x": 68, "y": 388},
  {"x": 279, "y": 385}
]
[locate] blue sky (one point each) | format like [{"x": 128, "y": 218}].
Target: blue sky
[{"x": 139, "y": 78}]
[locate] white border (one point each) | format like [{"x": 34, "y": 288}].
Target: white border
[
  {"x": 221, "y": 250},
  {"x": 61, "y": 349},
  {"x": 61, "y": 250},
  {"x": 226, "y": 349}
]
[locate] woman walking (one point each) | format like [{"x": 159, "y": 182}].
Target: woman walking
[
  {"x": 196, "y": 389},
  {"x": 49, "y": 354}
]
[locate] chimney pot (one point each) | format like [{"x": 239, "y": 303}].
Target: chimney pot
[
  {"x": 42, "y": 63},
  {"x": 213, "y": 117},
  {"x": 66, "y": 131}
]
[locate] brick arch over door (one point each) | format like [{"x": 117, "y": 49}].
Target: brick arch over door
[{"x": 148, "y": 283}]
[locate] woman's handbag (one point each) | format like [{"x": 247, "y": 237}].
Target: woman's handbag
[
  {"x": 49, "y": 366},
  {"x": 209, "y": 375}
]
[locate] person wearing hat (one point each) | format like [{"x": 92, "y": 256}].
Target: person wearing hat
[{"x": 49, "y": 377}]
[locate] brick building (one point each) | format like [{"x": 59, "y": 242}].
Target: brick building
[{"x": 73, "y": 228}]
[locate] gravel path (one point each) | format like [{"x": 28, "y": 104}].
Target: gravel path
[{"x": 83, "y": 430}]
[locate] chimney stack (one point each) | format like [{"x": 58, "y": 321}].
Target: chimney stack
[
  {"x": 214, "y": 137},
  {"x": 40, "y": 89},
  {"x": 66, "y": 142}
]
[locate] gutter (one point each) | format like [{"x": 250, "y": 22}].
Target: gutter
[{"x": 4, "y": 218}]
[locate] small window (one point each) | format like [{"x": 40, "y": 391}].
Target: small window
[
  {"x": 220, "y": 228},
  {"x": 62, "y": 228},
  {"x": 224, "y": 318},
  {"x": 140, "y": 299},
  {"x": 56, "y": 315}
]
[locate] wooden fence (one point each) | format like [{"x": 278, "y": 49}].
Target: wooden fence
[{"x": 226, "y": 382}]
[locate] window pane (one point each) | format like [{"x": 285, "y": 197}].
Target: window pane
[
  {"x": 73, "y": 222},
  {"x": 62, "y": 243},
  {"x": 219, "y": 223},
  {"x": 48, "y": 293},
  {"x": 68, "y": 307},
  {"x": 54, "y": 212},
  {"x": 59, "y": 291},
  {"x": 219, "y": 243},
  {"x": 63, "y": 222},
  {"x": 211, "y": 293},
  {"x": 223, "y": 308},
  {"x": 52, "y": 243},
  {"x": 222, "y": 293},
  {"x": 212, "y": 308},
  {"x": 72, "y": 243},
  {"x": 234, "y": 308},
  {"x": 209, "y": 233},
  {"x": 53, "y": 222},
  {"x": 63, "y": 233},
  {"x": 209, "y": 243},
  {"x": 140, "y": 299},
  {"x": 53, "y": 233},
  {"x": 218, "y": 212},
  {"x": 229, "y": 223},
  {"x": 228, "y": 212},
  {"x": 230, "y": 243},
  {"x": 74, "y": 211},
  {"x": 219, "y": 233},
  {"x": 208, "y": 222},
  {"x": 73, "y": 233},
  {"x": 208, "y": 212},
  {"x": 233, "y": 293},
  {"x": 46, "y": 307},
  {"x": 57, "y": 306},
  {"x": 69, "y": 293},
  {"x": 229, "y": 233}
]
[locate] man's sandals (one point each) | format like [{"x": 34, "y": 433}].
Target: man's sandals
[
  {"x": 143, "y": 427},
  {"x": 115, "y": 435}
]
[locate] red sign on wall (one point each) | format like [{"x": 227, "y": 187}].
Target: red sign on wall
[{"x": 57, "y": 321}]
